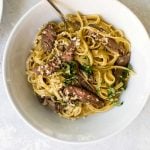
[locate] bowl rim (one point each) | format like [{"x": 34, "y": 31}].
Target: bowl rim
[{"x": 27, "y": 121}]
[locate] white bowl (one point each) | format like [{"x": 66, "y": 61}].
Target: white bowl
[{"x": 94, "y": 127}]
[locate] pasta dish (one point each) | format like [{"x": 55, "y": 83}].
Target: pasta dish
[{"x": 81, "y": 67}]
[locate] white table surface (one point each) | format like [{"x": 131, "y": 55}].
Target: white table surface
[{"x": 16, "y": 135}]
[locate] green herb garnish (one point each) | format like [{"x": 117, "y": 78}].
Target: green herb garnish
[
  {"x": 73, "y": 67},
  {"x": 70, "y": 72},
  {"x": 87, "y": 69},
  {"x": 70, "y": 68},
  {"x": 66, "y": 68},
  {"x": 124, "y": 78},
  {"x": 126, "y": 73},
  {"x": 70, "y": 79},
  {"x": 111, "y": 92}
]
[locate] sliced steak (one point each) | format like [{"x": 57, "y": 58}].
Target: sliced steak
[
  {"x": 48, "y": 37},
  {"x": 55, "y": 106},
  {"x": 55, "y": 64},
  {"x": 68, "y": 54},
  {"x": 117, "y": 47},
  {"x": 117, "y": 73},
  {"x": 124, "y": 57},
  {"x": 84, "y": 96},
  {"x": 86, "y": 84},
  {"x": 123, "y": 60}
]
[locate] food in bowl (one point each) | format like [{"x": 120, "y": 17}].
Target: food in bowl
[{"x": 79, "y": 68}]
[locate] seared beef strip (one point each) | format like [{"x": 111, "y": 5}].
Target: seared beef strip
[
  {"x": 48, "y": 37},
  {"x": 123, "y": 60},
  {"x": 84, "y": 95},
  {"x": 85, "y": 83},
  {"x": 124, "y": 57},
  {"x": 68, "y": 54},
  {"x": 117, "y": 74},
  {"x": 112, "y": 44},
  {"x": 55, "y": 106},
  {"x": 54, "y": 64}
]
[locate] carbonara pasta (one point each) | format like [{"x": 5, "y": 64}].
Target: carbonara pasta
[{"x": 79, "y": 68}]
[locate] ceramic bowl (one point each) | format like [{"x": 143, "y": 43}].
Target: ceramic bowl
[{"x": 95, "y": 127}]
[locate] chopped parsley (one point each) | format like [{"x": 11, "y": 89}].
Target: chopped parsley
[
  {"x": 87, "y": 69},
  {"x": 70, "y": 67},
  {"x": 70, "y": 79},
  {"x": 125, "y": 73},
  {"x": 70, "y": 72},
  {"x": 124, "y": 77},
  {"x": 111, "y": 92}
]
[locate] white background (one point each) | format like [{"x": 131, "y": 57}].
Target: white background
[{"x": 16, "y": 135}]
